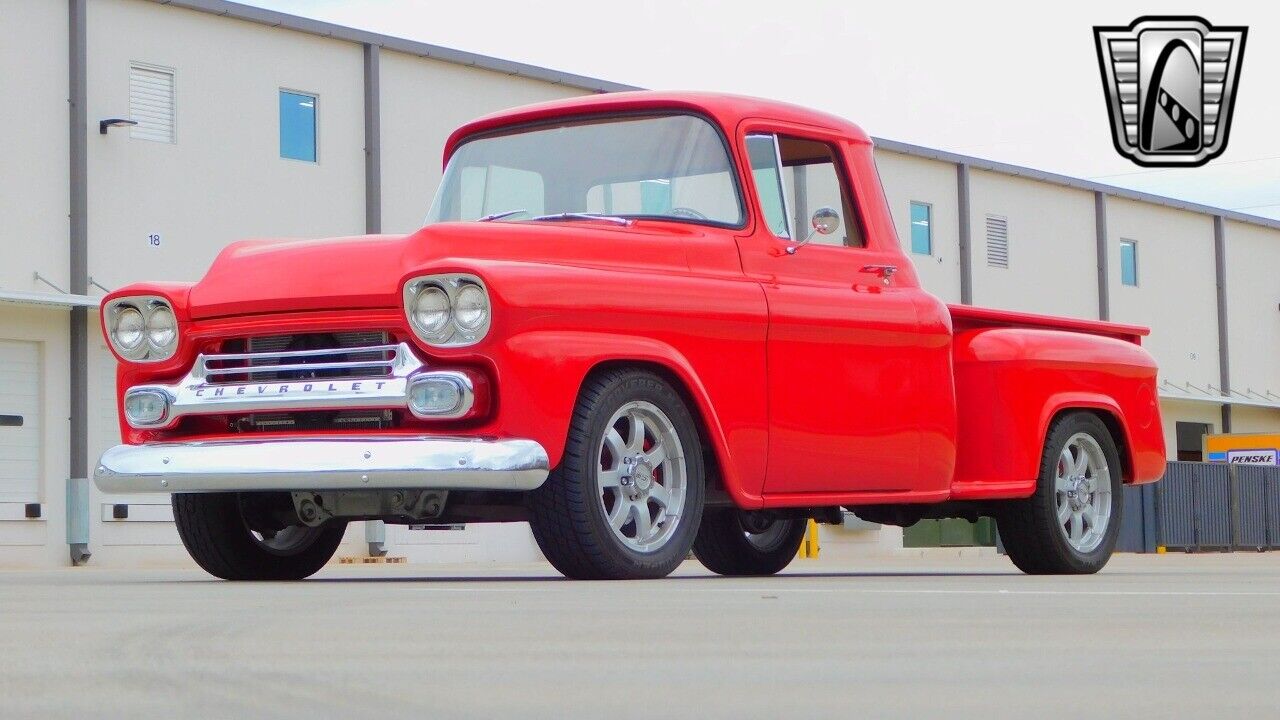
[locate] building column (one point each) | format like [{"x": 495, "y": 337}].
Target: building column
[
  {"x": 1224, "y": 354},
  {"x": 375, "y": 531},
  {"x": 372, "y": 139},
  {"x": 1104, "y": 277},
  {"x": 966, "y": 244},
  {"x": 78, "y": 432}
]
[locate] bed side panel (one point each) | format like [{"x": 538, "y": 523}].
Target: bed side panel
[{"x": 1011, "y": 382}]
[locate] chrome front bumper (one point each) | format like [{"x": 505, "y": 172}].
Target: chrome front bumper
[{"x": 330, "y": 463}]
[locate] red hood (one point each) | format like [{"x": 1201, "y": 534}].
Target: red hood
[
  {"x": 269, "y": 276},
  {"x": 263, "y": 276}
]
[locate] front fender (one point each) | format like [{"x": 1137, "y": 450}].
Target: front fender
[{"x": 541, "y": 373}]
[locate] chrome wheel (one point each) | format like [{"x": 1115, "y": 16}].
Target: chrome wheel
[
  {"x": 1082, "y": 490},
  {"x": 641, "y": 476}
]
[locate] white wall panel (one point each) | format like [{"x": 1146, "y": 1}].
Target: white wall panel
[
  {"x": 906, "y": 179},
  {"x": 423, "y": 101},
  {"x": 1253, "y": 308},
  {"x": 222, "y": 178},
  {"x": 33, "y": 144},
  {"x": 1176, "y": 295},
  {"x": 1052, "y": 246}
]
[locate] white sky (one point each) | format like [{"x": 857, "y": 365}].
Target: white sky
[{"x": 1016, "y": 82}]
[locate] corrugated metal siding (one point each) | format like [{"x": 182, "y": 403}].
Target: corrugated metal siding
[
  {"x": 1175, "y": 496},
  {"x": 1251, "y": 506},
  {"x": 1137, "y": 526},
  {"x": 1213, "y": 506},
  {"x": 151, "y": 91}
]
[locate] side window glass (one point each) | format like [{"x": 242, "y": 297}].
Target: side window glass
[
  {"x": 762, "y": 150},
  {"x": 813, "y": 178}
]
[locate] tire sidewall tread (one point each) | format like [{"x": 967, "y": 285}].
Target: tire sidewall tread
[
  {"x": 566, "y": 515},
  {"x": 1029, "y": 527}
]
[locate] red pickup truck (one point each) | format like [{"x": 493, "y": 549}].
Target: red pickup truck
[{"x": 645, "y": 323}]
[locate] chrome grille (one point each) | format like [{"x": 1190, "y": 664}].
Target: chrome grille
[{"x": 300, "y": 357}]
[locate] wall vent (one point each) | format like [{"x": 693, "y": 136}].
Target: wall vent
[
  {"x": 151, "y": 102},
  {"x": 997, "y": 241}
]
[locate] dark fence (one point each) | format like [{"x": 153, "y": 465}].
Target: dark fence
[{"x": 1204, "y": 507}]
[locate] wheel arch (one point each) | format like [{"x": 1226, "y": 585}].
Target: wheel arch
[
  {"x": 685, "y": 383},
  {"x": 1108, "y": 412}
]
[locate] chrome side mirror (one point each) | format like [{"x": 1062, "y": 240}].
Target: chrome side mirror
[{"x": 825, "y": 221}]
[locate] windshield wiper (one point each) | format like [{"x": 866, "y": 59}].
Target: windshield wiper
[
  {"x": 584, "y": 216},
  {"x": 500, "y": 215}
]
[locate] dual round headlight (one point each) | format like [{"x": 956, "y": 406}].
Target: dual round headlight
[
  {"x": 142, "y": 329},
  {"x": 448, "y": 310}
]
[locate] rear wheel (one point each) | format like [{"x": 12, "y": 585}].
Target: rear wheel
[
  {"x": 627, "y": 497},
  {"x": 1071, "y": 523},
  {"x": 226, "y": 536},
  {"x": 734, "y": 542}
]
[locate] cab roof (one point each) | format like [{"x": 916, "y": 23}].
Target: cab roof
[{"x": 726, "y": 110}]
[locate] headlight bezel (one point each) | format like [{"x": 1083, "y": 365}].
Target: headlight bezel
[
  {"x": 452, "y": 334},
  {"x": 146, "y": 351}
]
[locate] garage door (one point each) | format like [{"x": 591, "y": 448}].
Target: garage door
[{"x": 19, "y": 421}]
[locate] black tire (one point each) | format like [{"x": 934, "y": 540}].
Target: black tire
[
  {"x": 1030, "y": 529},
  {"x": 724, "y": 547},
  {"x": 213, "y": 529},
  {"x": 567, "y": 514}
]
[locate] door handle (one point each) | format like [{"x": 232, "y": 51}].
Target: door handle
[{"x": 885, "y": 272}]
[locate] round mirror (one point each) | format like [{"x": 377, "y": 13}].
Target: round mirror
[{"x": 825, "y": 220}]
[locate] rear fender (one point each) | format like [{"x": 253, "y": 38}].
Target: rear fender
[{"x": 1009, "y": 388}]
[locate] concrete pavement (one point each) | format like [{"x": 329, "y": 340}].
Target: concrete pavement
[{"x": 1152, "y": 636}]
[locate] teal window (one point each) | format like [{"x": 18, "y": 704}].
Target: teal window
[
  {"x": 1129, "y": 263},
  {"x": 297, "y": 126},
  {"x": 921, "y": 228}
]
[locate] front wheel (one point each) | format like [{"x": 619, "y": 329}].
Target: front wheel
[
  {"x": 735, "y": 542},
  {"x": 626, "y": 500},
  {"x": 1071, "y": 524},
  {"x": 225, "y": 535}
]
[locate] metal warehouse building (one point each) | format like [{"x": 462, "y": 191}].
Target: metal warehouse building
[{"x": 251, "y": 123}]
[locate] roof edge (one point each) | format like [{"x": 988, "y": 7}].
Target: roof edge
[
  {"x": 1071, "y": 182},
  {"x": 273, "y": 18}
]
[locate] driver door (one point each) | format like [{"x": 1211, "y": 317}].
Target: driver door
[{"x": 841, "y": 365}]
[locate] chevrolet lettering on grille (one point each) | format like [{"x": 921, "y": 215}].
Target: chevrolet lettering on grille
[{"x": 356, "y": 386}]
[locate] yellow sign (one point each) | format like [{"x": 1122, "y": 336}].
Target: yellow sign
[{"x": 1243, "y": 448}]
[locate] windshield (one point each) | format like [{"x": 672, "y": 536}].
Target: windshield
[{"x": 672, "y": 167}]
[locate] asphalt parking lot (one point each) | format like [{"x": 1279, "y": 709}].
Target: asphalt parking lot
[{"x": 1167, "y": 636}]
